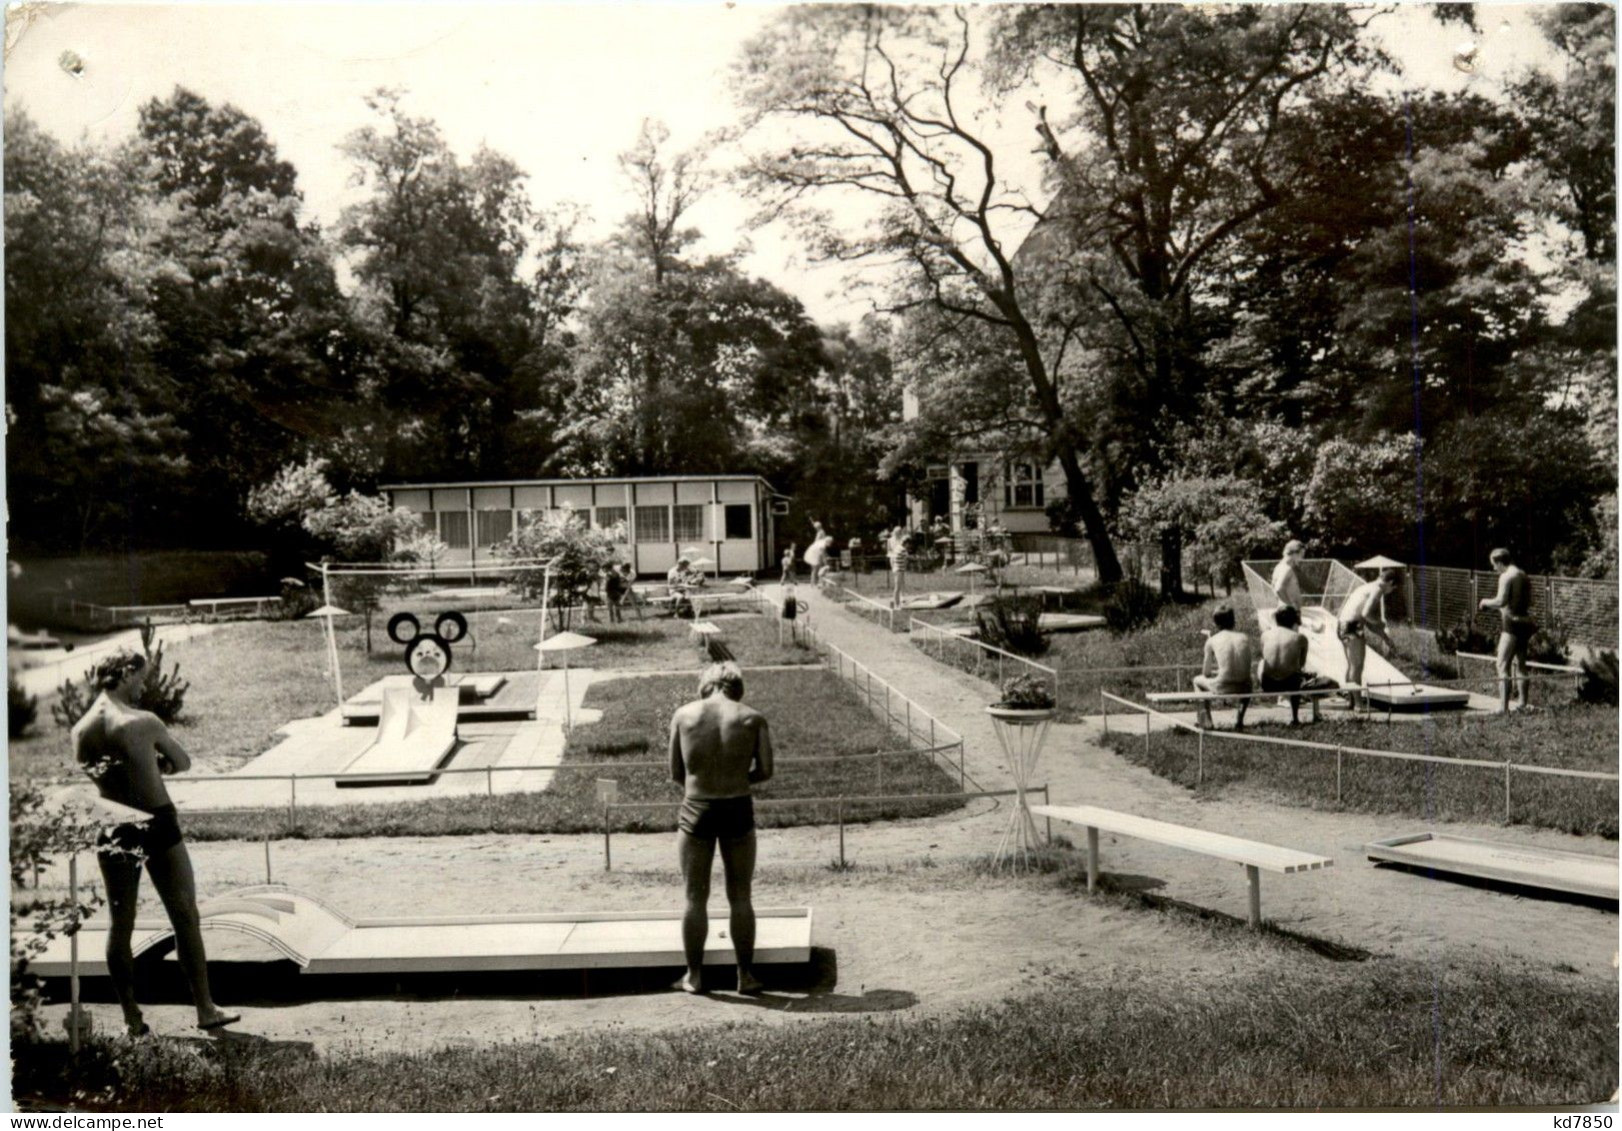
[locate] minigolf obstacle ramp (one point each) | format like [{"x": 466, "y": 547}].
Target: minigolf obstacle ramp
[
  {"x": 1384, "y": 683},
  {"x": 322, "y": 940},
  {"x": 414, "y": 736}
]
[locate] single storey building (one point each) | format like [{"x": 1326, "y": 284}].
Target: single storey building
[{"x": 727, "y": 518}]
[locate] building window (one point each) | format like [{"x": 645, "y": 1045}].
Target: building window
[
  {"x": 740, "y": 522},
  {"x": 653, "y": 524},
  {"x": 690, "y": 523},
  {"x": 582, "y": 515},
  {"x": 1022, "y": 486},
  {"x": 610, "y": 517},
  {"x": 453, "y": 529},
  {"x": 494, "y": 526}
]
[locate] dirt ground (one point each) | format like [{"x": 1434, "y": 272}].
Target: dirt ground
[{"x": 913, "y": 927}]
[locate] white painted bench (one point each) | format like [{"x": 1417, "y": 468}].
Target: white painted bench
[
  {"x": 1252, "y": 854},
  {"x": 1202, "y": 700},
  {"x": 213, "y": 605}
]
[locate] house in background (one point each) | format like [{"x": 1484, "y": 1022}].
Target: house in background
[
  {"x": 729, "y": 517},
  {"x": 974, "y": 490}
]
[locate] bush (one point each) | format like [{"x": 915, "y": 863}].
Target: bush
[
  {"x": 1547, "y": 646},
  {"x": 1013, "y": 624},
  {"x": 298, "y": 600},
  {"x": 22, "y": 707},
  {"x": 38, "y": 837},
  {"x": 1463, "y": 636},
  {"x": 1132, "y": 605},
  {"x": 163, "y": 693},
  {"x": 1598, "y": 681}
]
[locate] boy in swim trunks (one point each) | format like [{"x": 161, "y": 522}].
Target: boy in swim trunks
[
  {"x": 1514, "y": 605},
  {"x": 718, "y": 749},
  {"x": 1361, "y": 613},
  {"x": 126, "y": 752},
  {"x": 1229, "y": 662}
]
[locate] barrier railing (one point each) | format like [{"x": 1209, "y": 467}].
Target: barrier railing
[
  {"x": 927, "y": 634},
  {"x": 900, "y": 711},
  {"x": 866, "y": 606},
  {"x": 1340, "y": 751},
  {"x": 839, "y": 802}
]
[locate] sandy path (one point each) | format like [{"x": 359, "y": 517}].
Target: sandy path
[{"x": 906, "y": 936}]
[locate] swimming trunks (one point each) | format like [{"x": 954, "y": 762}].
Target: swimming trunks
[
  {"x": 722, "y": 818},
  {"x": 147, "y": 838},
  {"x": 1350, "y": 630}
]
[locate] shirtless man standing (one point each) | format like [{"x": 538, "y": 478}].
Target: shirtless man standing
[
  {"x": 1514, "y": 604},
  {"x": 1286, "y": 581},
  {"x": 1361, "y": 613},
  {"x": 718, "y": 749},
  {"x": 126, "y": 751},
  {"x": 1229, "y": 661}
]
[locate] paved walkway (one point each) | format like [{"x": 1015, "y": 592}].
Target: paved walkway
[{"x": 47, "y": 668}]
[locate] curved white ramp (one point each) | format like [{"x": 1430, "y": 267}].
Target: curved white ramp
[
  {"x": 322, "y": 940},
  {"x": 413, "y": 738}
]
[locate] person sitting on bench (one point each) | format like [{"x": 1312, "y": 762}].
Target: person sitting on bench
[
  {"x": 682, "y": 578},
  {"x": 1284, "y": 660},
  {"x": 1229, "y": 660}
]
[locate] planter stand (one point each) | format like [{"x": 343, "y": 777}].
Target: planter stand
[{"x": 1023, "y": 732}]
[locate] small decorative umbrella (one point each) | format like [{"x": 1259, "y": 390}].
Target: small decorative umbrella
[
  {"x": 564, "y": 643},
  {"x": 326, "y": 613},
  {"x": 973, "y": 569}
]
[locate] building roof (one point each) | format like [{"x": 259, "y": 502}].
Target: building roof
[{"x": 580, "y": 481}]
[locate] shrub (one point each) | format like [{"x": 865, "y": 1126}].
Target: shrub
[
  {"x": 1132, "y": 605},
  {"x": 298, "y": 600},
  {"x": 163, "y": 693},
  {"x": 1013, "y": 624},
  {"x": 22, "y": 707},
  {"x": 38, "y": 837},
  {"x": 1463, "y": 636},
  {"x": 1598, "y": 682}
]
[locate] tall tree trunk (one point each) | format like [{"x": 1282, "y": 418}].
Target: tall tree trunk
[
  {"x": 1171, "y": 562},
  {"x": 1092, "y": 520}
]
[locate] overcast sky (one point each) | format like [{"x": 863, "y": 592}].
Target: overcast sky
[{"x": 560, "y": 89}]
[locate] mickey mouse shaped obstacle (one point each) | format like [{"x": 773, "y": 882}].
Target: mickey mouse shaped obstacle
[{"x": 427, "y": 654}]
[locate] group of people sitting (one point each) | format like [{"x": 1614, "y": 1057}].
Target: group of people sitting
[{"x": 1234, "y": 665}]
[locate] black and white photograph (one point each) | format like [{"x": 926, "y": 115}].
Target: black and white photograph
[{"x": 706, "y": 557}]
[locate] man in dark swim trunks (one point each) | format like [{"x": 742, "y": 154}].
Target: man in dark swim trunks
[
  {"x": 126, "y": 751},
  {"x": 718, "y": 749},
  {"x": 1514, "y": 605}
]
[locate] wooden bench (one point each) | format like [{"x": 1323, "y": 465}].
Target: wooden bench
[
  {"x": 1202, "y": 700},
  {"x": 710, "y": 641},
  {"x": 1252, "y": 854},
  {"x": 213, "y": 605}
]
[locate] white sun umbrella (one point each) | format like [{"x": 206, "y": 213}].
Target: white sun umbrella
[
  {"x": 564, "y": 643},
  {"x": 973, "y": 569},
  {"x": 326, "y": 613}
]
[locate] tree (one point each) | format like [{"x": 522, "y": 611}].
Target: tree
[
  {"x": 86, "y": 406},
  {"x": 438, "y": 249},
  {"x": 251, "y": 322},
  {"x": 574, "y": 557},
  {"x": 1218, "y": 521},
  {"x": 879, "y": 101}
]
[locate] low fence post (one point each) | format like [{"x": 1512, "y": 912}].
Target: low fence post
[
  {"x": 1103, "y": 702},
  {"x": 1199, "y": 770},
  {"x": 1146, "y": 721},
  {"x": 841, "y": 833},
  {"x": 1506, "y": 793},
  {"x": 608, "y": 852},
  {"x": 962, "y": 775},
  {"x": 1049, "y": 820},
  {"x": 489, "y": 781},
  {"x": 1340, "y": 755},
  {"x": 292, "y": 802},
  {"x": 909, "y": 720}
]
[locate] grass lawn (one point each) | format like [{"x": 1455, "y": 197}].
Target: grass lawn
[
  {"x": 1317, "y": 1034},
  {"x": 1573, "y": 737},
  {"x": 251, "y": 678},
  {"x": 634, "y": 728}
]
